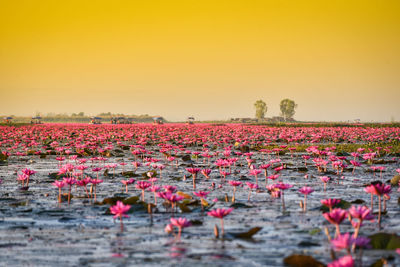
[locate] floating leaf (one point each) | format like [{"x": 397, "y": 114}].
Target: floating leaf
[
  {"x": 204, "y": 202},
  {"x": 298, "y": 260},
  {"x": 315, "y": 231},
  {"x": 358, "y": 201},
  {"x": 308, "y": 244},
  {"x": 184, "y": 195},
  {"x": 395, "y": 180},
  {"x": 184, "y": 208},
  {"x": 3, "y": 157},
  {"x": 31, "y": 152},
  {"x": 302, "y": 169},
  {"x": 247, "y": 234},
  {"x": 379, "y": 263},
  {"x": 145, "y": 175},
  {"x": 129, "y": 174},
  {"x": 196, "y": 222},
  {"x": 385, "y": 241},
  {"x": 131, "y": 200},
  {"x": 343, "y": 204},
  {"x": 240, "y": 205},
  {"x": 186, "y": 158},
  {"x": 111, "y": 200}
]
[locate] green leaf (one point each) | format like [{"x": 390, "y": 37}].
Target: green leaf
[
  {"x": 395, "y": 180},
  {"x": 385, "y": 241},
  {"x": 131, "y": 200},
  {"x": 343, "y": 204},
  {"x": 298, "y": 260},
  {"x": 314, "y": 231},
  {"x": 247, "y": 234}
]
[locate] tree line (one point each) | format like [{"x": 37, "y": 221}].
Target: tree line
[{"x": 287, "y": 107}]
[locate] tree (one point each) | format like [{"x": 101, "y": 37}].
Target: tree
[
  {"x": 288, "y": 108},
  {"x": 261, "y": 109}
]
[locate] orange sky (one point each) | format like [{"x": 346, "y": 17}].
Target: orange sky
[{"x": 338, "y": 59}]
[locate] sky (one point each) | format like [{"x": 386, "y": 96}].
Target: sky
[{"x": 338, "y": 60}]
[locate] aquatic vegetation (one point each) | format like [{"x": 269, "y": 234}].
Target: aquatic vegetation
[
  {"x": 220, "y": 214},
  {"x": 119, "y": 210},
  {"x": 162, "y": 160},
  {"x": 180, "y": 223}
]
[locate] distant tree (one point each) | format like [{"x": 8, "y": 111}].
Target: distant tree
[
  {"x": 81, "y": 114},
  {"x": 261, "y": 109},
  {"x": 288, "y": 108}
]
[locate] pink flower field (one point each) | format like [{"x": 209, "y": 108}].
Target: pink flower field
[{"x": 178, "y": 194}]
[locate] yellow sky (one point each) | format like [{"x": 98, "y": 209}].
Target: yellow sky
[{"x": 338, "y": 60}]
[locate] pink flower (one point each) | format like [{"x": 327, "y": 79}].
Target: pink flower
[
  {"x": 127, "y": 182},
  {"x": 378, "y": 189},
  {"x": 324, "y": 179},
  {"x": 206, "y": 172},
  {"x": 154, "y": 188},
  {"x": 180, "y": 222},
  {"x": 69, "y": 181},
  {"x": 219, "y": 213},
  {"x": 346, "y": 241},
  {"x": 120, "y": 209},
  {"x": 169, "y": 228},
  {"x": 346, "y": 261},
  {"x": 330, "y": 202},
  {"x": 96, "y": 181},
  {"x": 265, "y": 166},
  {"x": 255, "y": 172},
  {"x": 28, "y": 172},
  {"x": 251, "y": 185},
  {"x": 22, "y": 177},
  {"x": 283, "y": 186},
  {"x": 305, "y": 190},
  {"x": 361, "y": 212},
  {"x": 235, "y": 183},
  {"x": 193, "y": 171},
  {"x": 83, "y": 182},
  {"x": 169, "y": 188},
  {"x": 201, "y": 194},
  {"x": 342, "y": 242},
  {"x": 273, "y": 177},
  {"x": 336, "y": 216},
  {"x": 143, "y": 185},
  {"x": 59, "y": 184}
]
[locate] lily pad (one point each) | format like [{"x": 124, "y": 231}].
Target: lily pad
[
  {"x": 186, "y": 158},
  {"x": 240, "y": 205},
  {"x": 111, "y": 200},
  {"x": 308, "y": 244},
  {"x": 315, "y": 231},
  {"x": 343, "y": 204},
  {"x": 184, "y": 208},
  {"x": 131, "y": 200},
  {"x": 3, "y": 157},
  {"x": 184, "y": 195},
  {"x": 379, "y": 263},
  {"x": 247, "y": 234},
  {"x": 358, "y": 201},
  {"x": 129, "y": 174},
  {"x": 196, "y": 222},
  {"x": 395, "y": 180},
  {"x": 298, "y": 260},
  {"x": 385, "y": 241}
]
